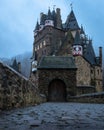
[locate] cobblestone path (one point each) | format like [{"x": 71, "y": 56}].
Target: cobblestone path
[{"x": 54, "y": 116}]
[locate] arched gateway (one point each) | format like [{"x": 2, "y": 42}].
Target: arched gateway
[
  {"x": 57, "y": 77},
  {"x": 57, "y": 91}
]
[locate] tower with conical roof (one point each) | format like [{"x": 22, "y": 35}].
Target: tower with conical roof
[
  {"x": 77, "y": 47},
  {"x": 49, "y": 21}
]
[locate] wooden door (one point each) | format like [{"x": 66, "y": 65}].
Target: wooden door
[{"x": 57, "y": 91}]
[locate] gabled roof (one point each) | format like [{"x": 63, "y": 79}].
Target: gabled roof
[
  {"x": 71, "y": 22},
  {"x": 57, "y": 62}
]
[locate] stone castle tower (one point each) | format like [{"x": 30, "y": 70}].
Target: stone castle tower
[{"x": 52, "y": 38}]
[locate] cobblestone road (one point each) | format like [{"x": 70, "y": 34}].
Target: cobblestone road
[{"x": 54, "y": 116}]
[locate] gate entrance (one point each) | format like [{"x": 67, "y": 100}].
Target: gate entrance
[{"x": 57, "y": 91}]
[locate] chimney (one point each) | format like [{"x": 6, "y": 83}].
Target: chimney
[
  {"x": 100, "y": 56},
  {"x": 19, "y": 67}
]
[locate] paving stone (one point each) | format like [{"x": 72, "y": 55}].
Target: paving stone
[{"x": 54, "y": 116}]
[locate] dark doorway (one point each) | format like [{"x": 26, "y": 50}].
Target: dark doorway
[{"x": 57, "y": 91}]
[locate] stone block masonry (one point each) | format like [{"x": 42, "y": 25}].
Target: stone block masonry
[
  {"x": 46, "y": 76},
  {"x": 16, "y": 90},
  {"x": 88, "y": 98}
]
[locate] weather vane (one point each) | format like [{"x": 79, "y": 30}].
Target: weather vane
[{"x": 71, "y": 5}]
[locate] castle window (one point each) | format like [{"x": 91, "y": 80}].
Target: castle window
[
  {"x": 98, "y": 71},
  {"x": 44, "y": 43},
  {"x": 91, "y": 71},
  {"x": 40, "y": 45},
  {"x": 98, "y": 82},
  {"x": 35, "y": 48}
]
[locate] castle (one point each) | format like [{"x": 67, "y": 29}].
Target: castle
[{"x": 64, "y": 61}]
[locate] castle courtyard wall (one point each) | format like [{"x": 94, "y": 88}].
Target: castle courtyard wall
[
  {"x": 16, "y": 90},
  {"x": 83, "y": 71}
]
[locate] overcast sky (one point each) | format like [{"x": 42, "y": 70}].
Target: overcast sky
[{"x": 18, "y": 19}]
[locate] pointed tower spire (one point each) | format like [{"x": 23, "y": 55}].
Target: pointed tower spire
[
  {"x": 82, "y": 33},
  {"x": 71, "y": 22},
  {"x": 71, "y": 5},
  {"x": 54, "y": 15},
  {"x": 49, "y": 14},
  {"x": 82, "y": 30},
  {"x": 49, "y": 20},
  {"x": 77, "y": 39},
  {"x": 36, "y": 28},
  {"x": 77, "y": 47}
]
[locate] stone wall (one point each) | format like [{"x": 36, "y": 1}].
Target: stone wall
[
  {"x": 88, "y": 98},
  {"x": 47, "y": 43},
  {"x": 16, "y": 90},
  {"x": 83, "y": 71},
  {"x": 98, "y": 78},
  {"x": 45, "y": 76},
  {"x": 85, "y": 89},
  {"x": 88, "y": 75}
]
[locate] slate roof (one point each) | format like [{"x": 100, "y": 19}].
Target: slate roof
[
  {"x": 77, "y": 40},
  {"x": 57, "y": 62},
  {"x": 89, "y": 54},
  {"x": 71, "y": 22}
]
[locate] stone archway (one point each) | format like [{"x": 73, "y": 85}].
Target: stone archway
[{"x": 57, "y": 91}]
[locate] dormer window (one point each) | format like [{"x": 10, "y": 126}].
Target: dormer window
[
  {"x": 49, "y": 23},
  {"x": 77, "y": 50}
]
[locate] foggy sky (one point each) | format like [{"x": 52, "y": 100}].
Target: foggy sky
[{"x": 18, "y": 19}]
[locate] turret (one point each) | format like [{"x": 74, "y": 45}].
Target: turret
[
  {"x": 36, "y": 29},
  {"x": 82, "y": 33},
  {"x": 58, "y": 19},
  {"x": 77, "y": 47},
  {"x": 49, "y": 21},
  {"x": 42, "y": 21},
  {"x": 54, "y": 16}
]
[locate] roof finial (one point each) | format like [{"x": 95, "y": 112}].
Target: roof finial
[
  {"x": 54, "y": 7},
  {"x": 71, "y": 5}
]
